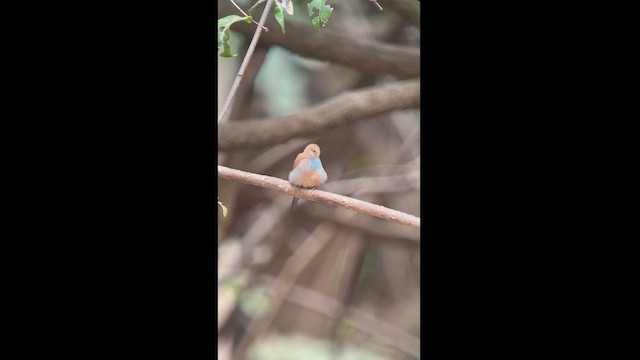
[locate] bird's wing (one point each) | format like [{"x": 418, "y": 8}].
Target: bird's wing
[{"x": 298, "y": 160}]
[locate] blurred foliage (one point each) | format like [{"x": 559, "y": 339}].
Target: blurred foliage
[
  {"x": 282, "y": 82},
  {"x": 254, "y": 301},
  {"x": 370, "y": 267}
]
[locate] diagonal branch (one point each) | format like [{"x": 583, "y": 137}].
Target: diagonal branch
[
  {"x": 245, "y": 62},
  {"x": 282, "y": 286},
  {"x": 318, "y": 195},
  {"x": 344, "y": 108},
  {"x": 368, "y": 324}
]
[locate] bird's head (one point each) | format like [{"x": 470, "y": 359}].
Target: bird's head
[{"x": 312, "y": 150}]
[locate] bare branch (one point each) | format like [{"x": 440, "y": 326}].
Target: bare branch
[
  {"x": 328, "y": 306},
  {"x": 245, "y": 62},
  {"x": 283, "y": 186},
  {"x": 368, "y": 57},
  {"x": 263, "y": 225},
  {"x": 282, "y": 286},
  {"x": 378, "y": 5},
  {"x": 344, "y": 108}
]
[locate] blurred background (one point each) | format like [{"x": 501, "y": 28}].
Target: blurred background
[{"x": 322, "y": 282}]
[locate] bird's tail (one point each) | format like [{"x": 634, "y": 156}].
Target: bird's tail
[{"x": 294, "y": 202}]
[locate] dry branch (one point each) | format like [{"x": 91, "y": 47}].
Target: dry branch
[
  {"x": 318, "y": 195},
  {"x": 377, "y": 5},
  {"x": 344, "y": 108},
  {"x": 369, "y": 57},
  {"x": 282, "y": 286},
  {"x": 328, "y": 306}
]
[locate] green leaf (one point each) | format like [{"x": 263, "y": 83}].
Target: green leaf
[
  {"x": 324, "y": 12},
  {"x": 224, "y": 35},
  {"x": 228, "y": 20},
  {"x": 311, "y": 6},
  {"x": 279, "y": 15},
  {"x": 224, "y": 209}
]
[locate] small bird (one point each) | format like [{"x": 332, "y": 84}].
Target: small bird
[{"x": 307, "y": 170}]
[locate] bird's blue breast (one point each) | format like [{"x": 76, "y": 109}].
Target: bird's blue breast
[
  {"x": 314, "y": 164},
  {"x": 305, "y": 169}
]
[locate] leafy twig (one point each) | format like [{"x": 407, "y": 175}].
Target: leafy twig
[
  {"x": 365, "y": 55},
  {"x": 245, "y": 62},
  {"x": 245, "y": 14}
]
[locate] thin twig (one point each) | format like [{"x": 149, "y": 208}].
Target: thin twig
[
  {"x": 263, "y": 225},
  {"x": 245, "y": 14},
  {"x": 376, "y": 2},
  {"x": 245, "y": 62}
]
